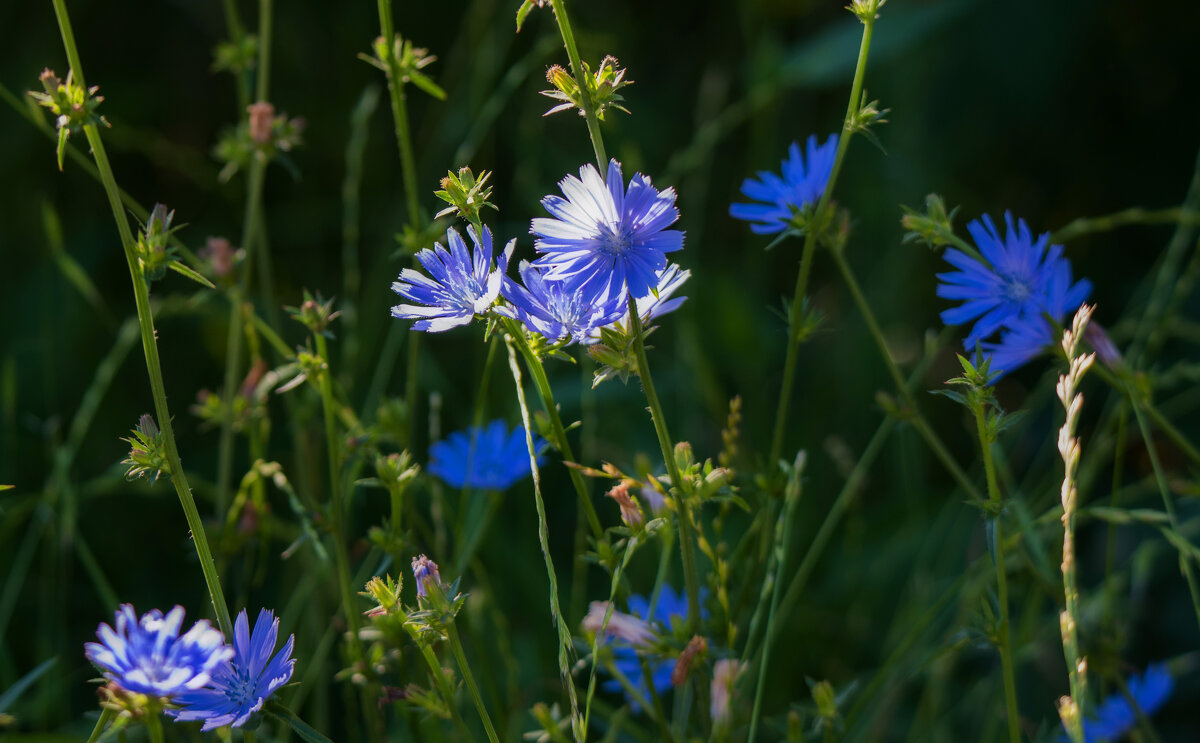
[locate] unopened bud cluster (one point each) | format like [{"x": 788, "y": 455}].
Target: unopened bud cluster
[
  {"x": 602, "y": 87},
  {"x": 466, "y": 195},
  {"x": 147, "y": 452},
  {"x": 73, "y": 106}
]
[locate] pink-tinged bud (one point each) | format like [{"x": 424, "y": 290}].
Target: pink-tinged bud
[
  {"x": 631, "y": 513},
  {"x": 425, "y": 570},
  {"x": 262, "y": 115},
  {"x": 725, "y": 673},
  {"x": 1104, "y": 347},
  {"x": 683, "y": 665},
  {"x": 219, "y": 253},
  {"x": 620, "y": 625}
]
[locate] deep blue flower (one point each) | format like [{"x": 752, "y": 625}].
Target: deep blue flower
[
  {"x": 669, "y": 614},
  {"x": 488, "y": 458},
  {"x": 148, "y": 656},
  {"x": 1115, "y": 716},
  {"x": 1026, "y": 336},
  {"x": 460, "y": 285},
  {"x": 799, "y": 187},
  {"x": 240, "y": 686},
  {"x": 549, "y": 308},
  {"x": 603, "y": 238},
  {"x": 1022, "y": 279}
]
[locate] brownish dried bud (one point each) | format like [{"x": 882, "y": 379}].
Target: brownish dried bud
[
  {"x": 262, "y": 115},
  {"x": 696, "y": 646},
  {"x": 631, "y": 512},
  {"x": 219, "y": 253}
]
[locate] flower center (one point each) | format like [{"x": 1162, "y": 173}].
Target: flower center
[
  {"x": 1017, "y": 288},
  {"x": 240, "y": 688},
  {"x": 615, "y": 239}
]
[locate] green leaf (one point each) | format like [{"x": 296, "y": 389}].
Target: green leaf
[
  {"x": 63, "y": 132},
  {"x": 13, "y": 692},
  {"x": 523, "y": 11},
  {"x": 302, "y": 728},
  {"x": 180, "y": 268},
  {"x": 427, "y": 85}
]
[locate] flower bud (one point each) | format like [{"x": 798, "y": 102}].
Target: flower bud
[{"x": 425, "y": 571}]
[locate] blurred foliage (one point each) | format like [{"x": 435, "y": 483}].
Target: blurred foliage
[{"x": 1053, "y": 110}]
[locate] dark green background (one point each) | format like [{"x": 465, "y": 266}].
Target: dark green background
[{"x": 1052, "y": 110}]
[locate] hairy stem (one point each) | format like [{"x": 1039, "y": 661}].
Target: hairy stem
[
  {"x": 585, "y": 92},
  {"x": 469, "y": 677},
  {"x": 141, "y": 292}
]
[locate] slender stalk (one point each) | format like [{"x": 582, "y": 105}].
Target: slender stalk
[
  {"x": 1133, "y": 215},
  {"x": 408, "y": 169},
  {"x": 918, "y": 420},
  {"x": 469, "y": 677},
  {"x": 565, "y": 642},
  {"x": 795, "y": 315},
  {"x": 538, "y": 371},
  {"x": 236, "y": 34},
  {"x": 336, "y": 502},
  {"x": 106, "y": 714},
  {"x": 783, "y": 533},
  {"x": 153, "y": 722},
  {"x": 337, "y": 509},
  {"x": 444, "y": 688},
  {"x": 687, "y": 538},
  {"x": 1185, "y": 561},
  {"x": 585, "y": 92},
  {"x": 248, "y": 736},
  {"x": 141, "y": 294},
  {"x": 1004, "y": 640},
  {"x": 630, "y": 547}
]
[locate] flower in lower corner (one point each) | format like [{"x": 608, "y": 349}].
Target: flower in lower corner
[
  {"x": 800, "y": 185},
  {"x": 148, "y": 656},
  {"x": 1021, "y": 279},
  {"x": 240, "y": 686},
  {"x": 603, "y": 238},
  {"x": 460, "y": 284},
  {"x": 1116, "y": 716},
  {"x": 485, "y": 457}
]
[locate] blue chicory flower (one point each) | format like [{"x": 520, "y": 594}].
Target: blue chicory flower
[
  {"x": 782, "y": 197},
  {"x": 460, "y": 285},
  {"x": 603, "y": 238},
  {"x": 240, "y": 686},
  {"x": 669, "y": 614},
  {"x": 548, "y": 308},
  {"x": 1115, "y": 716},
  {"x": 488, "y": 458},
  {"x": 148, "y": 656},
  {"x": 1021, "y": 280}
]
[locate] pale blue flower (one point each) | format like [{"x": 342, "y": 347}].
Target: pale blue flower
[
  {"x": 801, "y": 186},
  {"x": 148, "y": 656},
  {"x": 240, "y": 686},
  {"x": 460, "y": 285},
  {"x": 603, "y": 238}
]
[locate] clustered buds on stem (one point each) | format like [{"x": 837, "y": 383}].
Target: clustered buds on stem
[
  {"x": 403, "y": 62},
  {"x": 466, "y": 195},
  {"x": 315, "y": 313},
  {"x": 147, "y": 453},
  {"x": 72, "y": 105},
  {"x": 934, "y": 227},
  {"x": 262, "y": 134},
  {"x": 602, "y": 86}
]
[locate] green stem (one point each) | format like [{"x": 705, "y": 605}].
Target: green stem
[
  {"x": 106, "y": 714},
  {"x": 783, "y": 533},
  {"x": 469, "y": 677},
  {"x": 918, "y": 420},
  {"x": 1134, "y": 215},
  {"x": 795, "y": 315},
  {"x": 247, "y": 736},
  {"x": 1004, "y": 640},
  {"x": 1185, "y": 561},
  {"x": 585, "y": 92},
  {"x": 630, "y": 547},
  {"x": 399, "y": 112},
  {"x": 565, "y": 642},
  {"x": 263, "y": 84},
  {"x": 236, "y": 34},
  {"x": 233, "y": 341},
  {"x": 141, "y": 294},
  {"x": 153, "y": 722},
  {"x": 687, "y": 538},
  {"x": 538, "y": 371}
]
